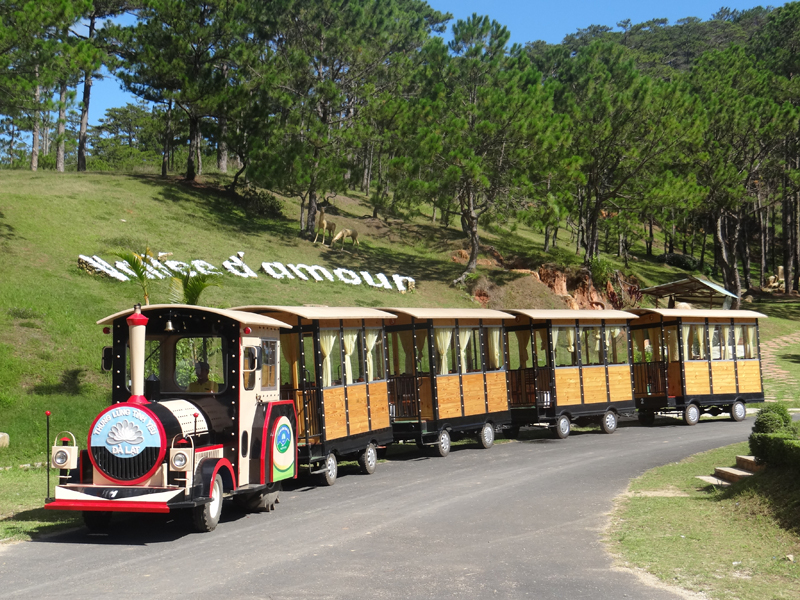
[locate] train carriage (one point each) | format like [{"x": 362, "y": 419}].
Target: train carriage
[
  {"x": 695, "y": 361},
  {"x": 569, "y": 365},
  {"x": 195, "y": 415},
  {"x": 334, "y": 370},
  {"x": 447, "y": 375}
]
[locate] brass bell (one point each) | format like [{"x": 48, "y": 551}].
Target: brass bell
[{"x": 169, "y": 328}]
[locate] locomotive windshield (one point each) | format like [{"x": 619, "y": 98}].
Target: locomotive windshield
[{"x": 185, "y": 364}]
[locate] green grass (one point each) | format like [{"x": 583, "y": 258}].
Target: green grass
[{"x": 726, "y": 543}]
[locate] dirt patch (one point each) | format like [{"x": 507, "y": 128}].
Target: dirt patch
[{"x": 666, "y": 493}]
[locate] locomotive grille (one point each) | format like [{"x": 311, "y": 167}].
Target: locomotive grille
[{"x": 125, "y": 469}]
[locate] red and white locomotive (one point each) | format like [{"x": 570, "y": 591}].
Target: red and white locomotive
[{"x": 195, "y": 415}]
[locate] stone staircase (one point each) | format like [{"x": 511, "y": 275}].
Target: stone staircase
[{"x": 725, "y": 476}]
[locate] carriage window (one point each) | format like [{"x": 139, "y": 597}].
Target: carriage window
[
  {"x": 290, "y": 363},
  {"x": 353, "y": 359},
  {"x": 541, "y": 351},
  {"x": 373, "y": 340},
  {"x": 200, "y": 364},
  {"x": 564, "y": 345},
  {"x": 249, "y": 364},
  {"x": 745, "y": 341},
  {"x": 269, "y": 354},
  {"x": 617, "y": 345},
  {"x": 694, "y": 341},
  {"x": 331, "y": 357},
  {"x": 673, "y": 343},
  {"x": 591, "y": 346},
  {"x": 721, "y": 342},
  {"x": 401, "y": 353},
  {"x": 494, "y": 348},
  {"x": 520, "y": 354},
  {"x": 445, "y": 350},
  {"x": 470, "y": 343},
  {"x": 647, "y": 345}
]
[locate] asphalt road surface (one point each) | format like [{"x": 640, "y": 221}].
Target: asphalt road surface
[{"x": 520, "y": 520}]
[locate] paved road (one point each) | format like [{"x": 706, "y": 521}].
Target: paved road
[{"x": 521, "y": 520}]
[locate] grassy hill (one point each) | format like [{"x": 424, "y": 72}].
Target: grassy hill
[{"x": 50, "y": 346}]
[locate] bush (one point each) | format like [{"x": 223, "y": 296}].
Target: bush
[
  {"x": 259, "y": 203},
  {"x": 772, "y": 418},
  {"x": 602, "y": 270},
  {"x": 776, "y": 449},
  {"x": 682, "y": 261}
]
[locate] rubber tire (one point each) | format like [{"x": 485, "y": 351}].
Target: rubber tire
[
  {"x": 738, "y": 411},
  {"x": 97, "y": 521},
  {"x": 562, "y": 427},
  {"x": 691, "y": 414},
  {"x": 443, "y": 443},
  {"x": 511, "y": 433},
  {"x": 368, "y": 459},
  {"x": 486, "y": 436},
  {"x": 646, "y": 417},
  {"x": 609, "y": 422},
  {"x": 206, "y": 516},
  {"x": 331, "y": 472},
  {"x": 263, "y": 501}
]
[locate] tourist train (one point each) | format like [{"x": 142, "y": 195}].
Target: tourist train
[{"x": 209, "y": 403}]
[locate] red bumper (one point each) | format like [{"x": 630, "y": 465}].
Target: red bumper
[{"x": 109, "y": 505}]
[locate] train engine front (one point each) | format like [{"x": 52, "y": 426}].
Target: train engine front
[{"x": 196, "y": 415}]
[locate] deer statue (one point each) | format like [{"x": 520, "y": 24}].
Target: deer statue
[
  {"x": 324, "y": 226},
  {"x": 344, "y": 234}
]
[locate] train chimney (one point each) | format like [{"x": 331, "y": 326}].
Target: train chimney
[{"x": 136, "y": 325}]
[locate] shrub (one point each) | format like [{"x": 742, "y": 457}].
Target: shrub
[
  {"x": 259, "y": 203},
  {"x": 776, "y": 449},
  {"x": 772, "y": 418},
  {"x": 602, "y": 270},
  {"x": 682, "y": 261}
]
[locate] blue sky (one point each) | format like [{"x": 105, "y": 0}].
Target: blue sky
[{"x": 527, "y": 20}]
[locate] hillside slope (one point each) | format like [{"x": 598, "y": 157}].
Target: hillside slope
[{"x": 49, "y": 343}]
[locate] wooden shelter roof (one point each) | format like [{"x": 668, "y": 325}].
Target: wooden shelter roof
[{"x": 693, "y": 290}]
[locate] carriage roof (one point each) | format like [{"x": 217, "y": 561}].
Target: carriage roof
[
  {"x": 452, "y": 313},
  {"x": 244, "y": 318},
  {"x": 571, "y": 315},
  {"x": 701, "y": 314},
  {"x": 322, "y": 312}
]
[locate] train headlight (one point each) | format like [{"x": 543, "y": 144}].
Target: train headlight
[
  {"x": 60, "y": 458},
  {"x": 179, "y": 460}
]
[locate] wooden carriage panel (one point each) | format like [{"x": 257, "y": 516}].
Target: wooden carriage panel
[
  {"x": 697, "y": 382},
  {"x": 674, "y": 379},
  {"x": 474, "y": 396},
  {"x": 648, "y": 318},
  {"x": 568, "y": 386},
  {"x": 357, "y": 407},
  {"x": 425, "y": 398},
  {"x": 379, "y": 404},
  {"x": 335, "y": 414},
  {"x": 448, "y": 397},
  {"x": 724, "y": 377},
  {"x": 619, "y": 383},
  {"x": 749, "y": 376},
  {"x": 594, "y": 385},
  {"x": 497, "y": 390}
]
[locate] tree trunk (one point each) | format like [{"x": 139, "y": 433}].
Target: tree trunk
[
  {"x": 555, "y": 236},
  {"x": 703, "y": 249},
  {"x": 37, "y": 92},
  {"x": 62, "y": 126},
  {"x": 727, "y": 256},
  {"x": 762, "y": 238},
  {"x": 470, "y": 219},
  {"x": 167, "y": 141},
  {"x": 222, "y": 146},
  {"x": 744, "y": 248},
  {"x": 191, "y": 165},
  {"x": 546, "y": 238},
  {"x": 312, "y": 200},
  {"x": 788, "y": 255},
  {"x": 87, "y": 96},
  {"x": 650, "y": 239}
]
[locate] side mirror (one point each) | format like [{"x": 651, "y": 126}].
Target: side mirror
[{"x": 107, "y": 361}]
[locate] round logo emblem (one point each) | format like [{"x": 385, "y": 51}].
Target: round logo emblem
[
  {"x": 282, "y": 450},
  {"x": 125, "y": 431}
]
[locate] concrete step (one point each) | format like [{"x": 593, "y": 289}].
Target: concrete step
[
  {"x": 716, "y": 481},
  {"x": 748, "y": 463},
  {"x": 731, "y": 474}
]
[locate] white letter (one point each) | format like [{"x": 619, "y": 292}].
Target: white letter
[
  {"x": 398, "y": 281},
  {"x": 347, "y": 276},
  {"x": 276, "y": 269},
  {"x": 237, "y": 267},
  {"x": 98, "y": 264},
  {"x": 382, "y": 281},
  {"x": 205, "y": 268},
  {"x": 313, "y": 270}
]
